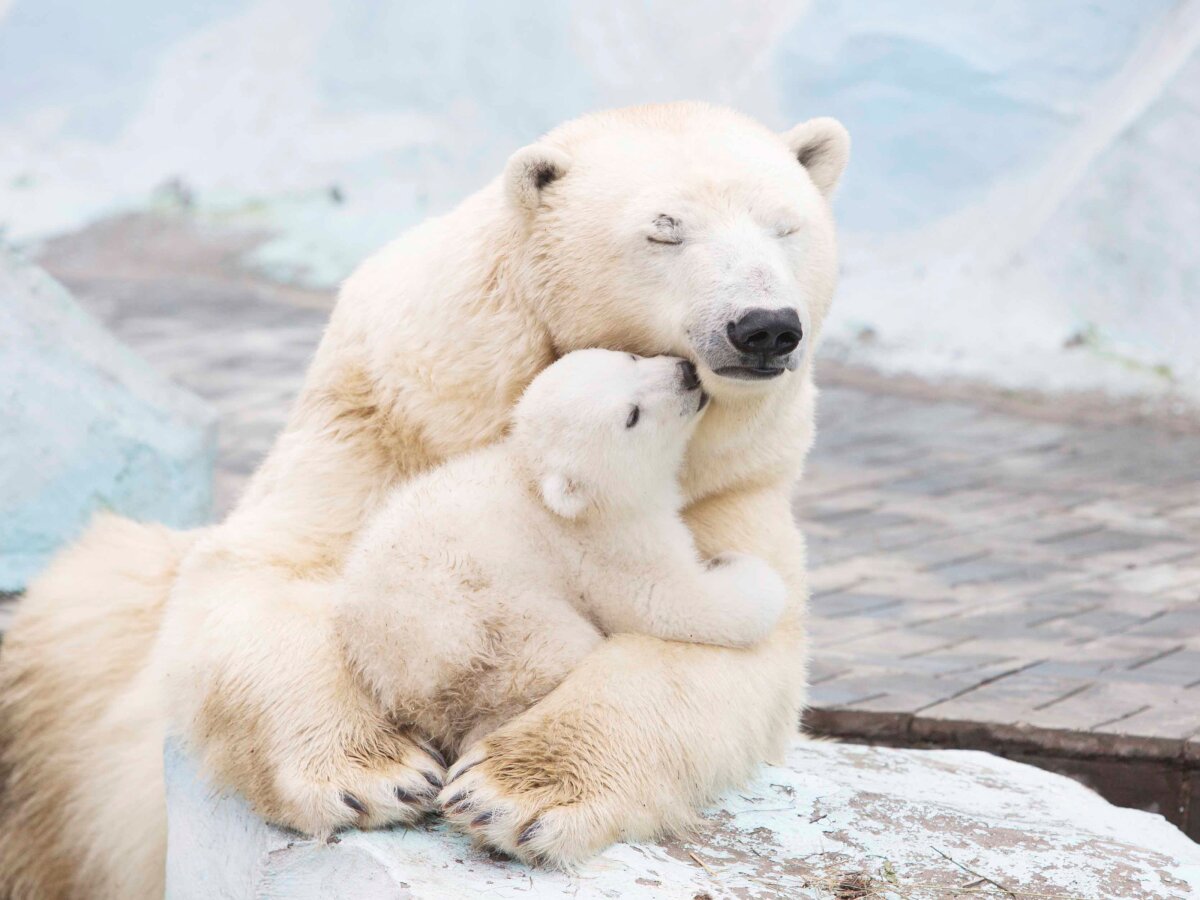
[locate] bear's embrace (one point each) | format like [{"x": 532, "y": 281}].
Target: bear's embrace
[
  {"x": 681, "y": 229},
  {"x": 482, "y": 583}
]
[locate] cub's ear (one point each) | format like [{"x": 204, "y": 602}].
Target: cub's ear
[
  {"x": 563, "y": 496},
  {"x": 822, "y": 146},
  {"x": 530, "y": 169}
]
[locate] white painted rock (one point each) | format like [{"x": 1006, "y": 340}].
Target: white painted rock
[
  {"x": 85, "y": 425},
  {"x": 836, "y": 818}
]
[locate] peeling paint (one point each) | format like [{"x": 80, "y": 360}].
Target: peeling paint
[{"x": 907, "y": 823}]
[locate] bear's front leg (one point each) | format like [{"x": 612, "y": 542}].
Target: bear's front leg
[
  {"x": 643, "y": 732},
  {"x": 258, "y": 690}
]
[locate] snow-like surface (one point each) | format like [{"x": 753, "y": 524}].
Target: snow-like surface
[
  {"x": 1023, "y": 175},
  {"x": 908, "y": 819},
  {"x": 85, "y": 425}
]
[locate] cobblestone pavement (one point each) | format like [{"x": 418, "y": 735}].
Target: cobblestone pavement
[
  {"x": 967, "y": 564},
  {"x": 971, "y": 565}
]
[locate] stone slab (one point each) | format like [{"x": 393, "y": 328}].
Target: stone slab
[{"x": 832, "y": 819}]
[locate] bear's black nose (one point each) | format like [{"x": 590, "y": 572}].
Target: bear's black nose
[
  {"x": 766, "y": 332},
  {"x": 688, "y": 375}
]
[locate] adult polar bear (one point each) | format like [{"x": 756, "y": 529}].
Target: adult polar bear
[{"x": 681, "y": 229}]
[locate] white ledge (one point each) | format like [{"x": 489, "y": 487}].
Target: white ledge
[{"x": 919, "y": 817}]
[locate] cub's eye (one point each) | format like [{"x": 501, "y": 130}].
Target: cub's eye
[
  {"x": 667, "y": 230},
  {"x": 786, "y": 229},
  {"x": 634, "y": 415}
]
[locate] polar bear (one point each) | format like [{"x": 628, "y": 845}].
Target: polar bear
[
  {"x": 482, "y": 583},
  {"x": 682, "y": 229}
]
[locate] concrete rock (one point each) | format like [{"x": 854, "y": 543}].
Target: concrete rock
[
  {"x": 833, "y": 821},
  {"x": 85, "y": 425}
]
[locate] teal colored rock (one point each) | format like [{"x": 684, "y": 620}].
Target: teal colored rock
[{"x": 85, "y": 425}]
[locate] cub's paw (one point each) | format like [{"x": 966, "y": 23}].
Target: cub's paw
[
  {"x": 527, "y": 807},
  {"x": 394, "y": 783},
  {"x": 756, "y": 587}
]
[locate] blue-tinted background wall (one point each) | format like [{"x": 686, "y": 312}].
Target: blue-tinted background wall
[{"x": 1023, "y": 203}]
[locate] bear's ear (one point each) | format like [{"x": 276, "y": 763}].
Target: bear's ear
[
  {"x": 822, "y": 146},
  {"x": 563, "y": 496},
  {"x": 530, "y": 169}
]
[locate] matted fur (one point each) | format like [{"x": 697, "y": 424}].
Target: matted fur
[{"x": 223, "y": 636}]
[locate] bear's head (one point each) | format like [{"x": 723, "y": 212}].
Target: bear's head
[
  {"x": 606, "y": 432},
  {"x": 682, "y": 229}
]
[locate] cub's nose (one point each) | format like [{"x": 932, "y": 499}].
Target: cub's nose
[
  {"x": 766, "y": 332},
  {"x": 688, "y": 375}
]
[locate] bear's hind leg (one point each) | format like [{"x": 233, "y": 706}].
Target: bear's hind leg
[{"x": 262, "y": 694}]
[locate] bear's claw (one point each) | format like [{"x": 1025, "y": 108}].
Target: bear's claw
[
  {"x": 397, "y": 789},
  {"x": 433, "y": 752},
  {"x": 543, "y": 824},
  {"x": 408, "y": 797},
  {"x": 462, "y": 766}
]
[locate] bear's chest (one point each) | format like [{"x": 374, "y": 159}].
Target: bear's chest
[{"x": 735, "y": 448}]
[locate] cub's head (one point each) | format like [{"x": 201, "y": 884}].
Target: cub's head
[
  {"x": 684, "y": 229},
  {"x": 604, "y": 431}
]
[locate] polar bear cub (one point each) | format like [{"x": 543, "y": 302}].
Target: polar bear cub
[{"x": 481, "y": 584}]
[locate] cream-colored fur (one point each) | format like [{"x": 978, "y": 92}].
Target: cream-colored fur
[
  {"x": 642, "y": 230},
  {"x": 482, "y": 583}
]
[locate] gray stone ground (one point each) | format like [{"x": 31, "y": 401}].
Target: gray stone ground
[{"x": 969, "y": 562}]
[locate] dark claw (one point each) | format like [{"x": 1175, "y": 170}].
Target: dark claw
[
  {"x": 530, "y": 831},
  {"x": 405, "y": 797},
  {"x": 455, "y": 800},
  {"x": 481, "y": 819},
  {"x": 434, "y": 752},
  {"x": 354, "y": 803},
  {"x": 464, "y": 770},
  {"x": 433, "y": 779}
]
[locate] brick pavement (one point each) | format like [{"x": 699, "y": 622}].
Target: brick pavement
[{"x": 968, "y": 565}]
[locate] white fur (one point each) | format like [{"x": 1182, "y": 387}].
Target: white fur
[
  {"x": 482, "y": 583},
  {"x": 432, "y": 342}
]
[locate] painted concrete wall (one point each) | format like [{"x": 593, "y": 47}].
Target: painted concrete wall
[
  {"x": 1022, "y": 203},
  {"x": 85, "y": 425}
]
